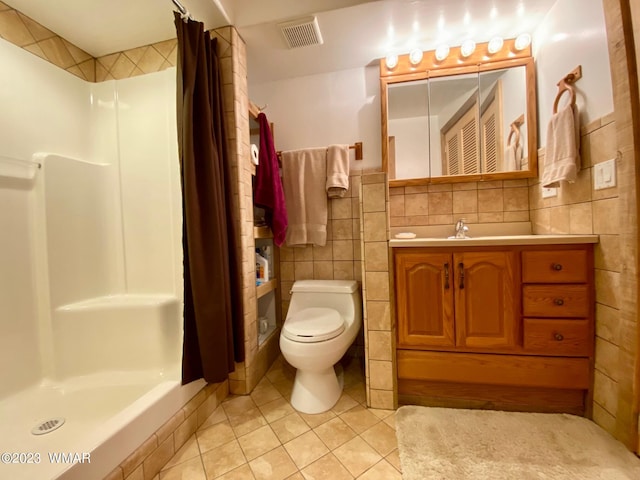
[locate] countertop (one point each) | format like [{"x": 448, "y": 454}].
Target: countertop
[{"x": 493, "y": 240}]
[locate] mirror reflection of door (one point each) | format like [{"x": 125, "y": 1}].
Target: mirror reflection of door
[
  {"x": 458, "y": 124},
  {"x": 454, "y": 106},
  {"x": 503, "y": 107}
]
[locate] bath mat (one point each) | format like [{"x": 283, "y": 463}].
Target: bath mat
[{"x": 457, "y": 444}]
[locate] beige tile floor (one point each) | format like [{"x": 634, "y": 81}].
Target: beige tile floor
[{"x": 260, "y": 436}]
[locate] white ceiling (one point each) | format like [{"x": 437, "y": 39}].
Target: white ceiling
[{"x": 355, "y": 32}]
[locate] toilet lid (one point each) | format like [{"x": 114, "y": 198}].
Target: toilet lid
[{"x": 314, "y": 324}]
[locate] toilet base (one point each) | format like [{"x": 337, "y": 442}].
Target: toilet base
[{"x": 316, "y": 392}]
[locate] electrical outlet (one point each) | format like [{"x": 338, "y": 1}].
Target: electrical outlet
[
  {"x": 549, "y": 192},
  {"x": 604, "y": 174}
]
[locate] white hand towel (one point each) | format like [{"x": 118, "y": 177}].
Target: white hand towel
[
  {"x": 337, "y": 171},
  {"x": 304, "y": 174},
  {"x": 513, "y": 158},
  {"x": 562, "y": 157}
]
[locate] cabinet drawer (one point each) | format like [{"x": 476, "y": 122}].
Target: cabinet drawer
[
  {"x": 556, "y": 337},
  {"x": 554, "y": 266},
  {"x": 555, "y": 301}
]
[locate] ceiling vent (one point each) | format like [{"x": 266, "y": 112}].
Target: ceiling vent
[{"x": 301, "y": 32}]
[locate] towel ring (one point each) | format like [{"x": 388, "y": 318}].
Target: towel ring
[
  {"x": 515, "y": 130},
  {"x": 564, "y": 86}
]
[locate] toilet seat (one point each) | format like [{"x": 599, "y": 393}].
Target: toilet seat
[{"x": 315, "y": 324}]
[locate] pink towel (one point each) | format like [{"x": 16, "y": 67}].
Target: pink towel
[
  {"x": 562, "y": 157},
  {"x": 268, "y": 192}
]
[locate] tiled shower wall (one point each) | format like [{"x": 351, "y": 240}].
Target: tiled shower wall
[{"x": 580, "y": 209}]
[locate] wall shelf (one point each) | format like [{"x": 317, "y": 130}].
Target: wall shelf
[
  {"x": 262, "y": 337},
  {"x": 262, "y": 290},
  {"x": 262, "y": 232}
]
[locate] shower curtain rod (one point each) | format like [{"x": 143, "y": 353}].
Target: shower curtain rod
[{"x": 183, "y": 11}]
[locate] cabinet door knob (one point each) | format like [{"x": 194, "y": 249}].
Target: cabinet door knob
[
  {"x": 556, "y": 266},
  {"x": 558, "y": 301},
  {"x": 558, "y": 337}
]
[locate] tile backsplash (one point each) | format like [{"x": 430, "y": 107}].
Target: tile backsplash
[{"x": 444, "y": 204}]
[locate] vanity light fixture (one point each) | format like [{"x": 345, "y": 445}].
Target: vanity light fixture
[
  {"x": 522, "y": 41},
  {"x": 442, "y": 52},
  {"x": 415, "y": 56},
  {"x": 467, "y": 48},
  {"x": 391, "y": 61},
  {"x": 495, "y": 45}
]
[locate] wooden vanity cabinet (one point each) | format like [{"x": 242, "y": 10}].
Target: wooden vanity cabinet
[
  {"x": 495, "y": 327},
  {"x": 447, "y": 299}
]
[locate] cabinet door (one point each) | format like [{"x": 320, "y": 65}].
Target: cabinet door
[
  {"x": 486, "y": 300},
  {"x": 424, "y": 286}
]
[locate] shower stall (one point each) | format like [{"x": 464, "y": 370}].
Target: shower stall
[{"x": 90, "y": 267}]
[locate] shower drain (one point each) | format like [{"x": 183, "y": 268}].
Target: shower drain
[{"x": 47, "y": 426}]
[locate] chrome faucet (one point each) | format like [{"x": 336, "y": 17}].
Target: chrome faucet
[{"x": 461, "y": 229}]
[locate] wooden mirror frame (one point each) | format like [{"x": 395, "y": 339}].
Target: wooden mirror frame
[{"x": 480, "y": 61}]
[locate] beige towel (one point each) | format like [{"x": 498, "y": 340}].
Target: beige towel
[
  {"x": 562, "y": 157},
  {"x": 513, "y": 158},
  {"x": 337, "y": 170},
  {"x": 304, "y": 173}
]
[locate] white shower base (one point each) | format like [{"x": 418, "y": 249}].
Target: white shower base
[
  {"x": 115, "y": 378},
  {"x": 107, "y": 415}
]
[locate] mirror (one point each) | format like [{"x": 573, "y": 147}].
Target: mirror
[{"x": 456, "y": 124}]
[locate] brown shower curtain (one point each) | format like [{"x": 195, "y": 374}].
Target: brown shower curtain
[{"x": 213, "y": 319}]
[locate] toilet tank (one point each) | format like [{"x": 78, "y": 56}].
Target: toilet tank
[{"x": 341, "y": 295}]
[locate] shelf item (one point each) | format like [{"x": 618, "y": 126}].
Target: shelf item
[{"x": 262, "y": 337}]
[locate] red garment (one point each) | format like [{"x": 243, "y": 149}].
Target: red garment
[{"x": 267, "y": 191}]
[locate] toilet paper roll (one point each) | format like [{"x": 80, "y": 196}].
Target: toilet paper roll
[{"x": 254, "y": 154}]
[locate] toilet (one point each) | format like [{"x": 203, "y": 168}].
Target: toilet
[{"x": 323, "y": 320}]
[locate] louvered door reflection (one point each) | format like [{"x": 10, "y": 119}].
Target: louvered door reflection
[
  {"x": 491, "y": 135},
  {"x": 461, "y": 145}
]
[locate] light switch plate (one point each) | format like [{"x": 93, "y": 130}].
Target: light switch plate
[
  {"x": 549, "y": 192},
  {"x": 604, "y": 174}
]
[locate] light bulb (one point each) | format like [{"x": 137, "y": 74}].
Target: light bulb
[
  {"x": 495, "y": 45},
  {"x": 442, "y": 52},
  {"x": 415, "y": 56},
  {"x": 391, "y": 61},
  {"x": 522, "y": 41},
  {"x": 467, "y": 47}
]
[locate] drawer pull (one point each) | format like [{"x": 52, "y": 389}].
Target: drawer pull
[
  {"x": 446, "y": 275},
  {"x": 558, "y": 301},
  {"x": 461, "y": 267},
  {"x": 556, "y": 266},
  {"x": 558, "y": 337}
]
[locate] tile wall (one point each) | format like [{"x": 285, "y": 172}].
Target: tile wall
[
  {"x": 17, "y": 28},
  {"x": 236, "y": 103},
  {"x": 377, "y": 293},
  {"x": 24, "y": 32},
  {"x": 579, "y": 208},
  {"x": 444, "y": 204}
]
